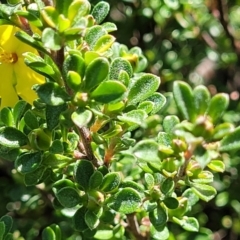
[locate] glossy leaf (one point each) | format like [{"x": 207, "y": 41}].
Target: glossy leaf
[
  {"x": 33, "y": 178},
  {"x": 48, "y": 234},
  {"x": 146, "y": 151},
  {"x": 81, "y": 117},
  {"x": 149, "y": 179},
  {"x": 142, "y": 88},
  {"x": 68, "y": 197},
  {"x": 95, "y": 180},
  {"x": 183, "y": 97},
  {"x": 110, "y": 182},
  {"x": 217, "y": 106},
  {"x": 96, "y": 72},
  {"x": 126, "y": 201},
  {"x": 104, "y": 43},
  {"x": 217, "y": 166},
  {"x": 12, "y": 138},
  {"x": 6, "y": 116},
  {"x": 51, "y": 94},
  {"x": 201, "y": 97},
  {"x": 158, "y": 100},
  {"x": 167, "y": 186},
  {"x": 231, "y": 142},
  {"x": 82, "y": 172},
  {"x": 188, "y": 223},
  {"x": 100, "y": 11},
  {"x": 31, "y": 120},
  {"x": 118, "y": 65},
  {"x": 171, "y": 202},
  {"x": 91, "y": 219},
  {"x": 133, "y": 117},
  {"x": 78, "y": 9},
  {"x": 79, "y": 222},
  {"x": 51, "y": 39},
  {"x": 203, "y": 191},
  {"x": 28, "y": 162},
  {"x": 108, "y": 91},
  {"x": 8, "y": 222},
  {"x": 158, "y": 217}
]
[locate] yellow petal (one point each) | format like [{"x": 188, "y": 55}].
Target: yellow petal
[
  {"x": 7, "y": 92},
  {"x": 26, "y": 78},
  {"x": 7, "y": 39}
]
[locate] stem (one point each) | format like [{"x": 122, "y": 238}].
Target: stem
[
  {"x": 133, "y": 227},
  {"x": 86, "y": 142}
]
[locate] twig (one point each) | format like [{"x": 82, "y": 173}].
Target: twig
[
  {"x": 223, "y": 18},
  {"x": 86, "y": 142},
  {"x": 133, "y": 227}
]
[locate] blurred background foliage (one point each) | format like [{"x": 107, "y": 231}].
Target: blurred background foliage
[{"x": 197, "y": 41}]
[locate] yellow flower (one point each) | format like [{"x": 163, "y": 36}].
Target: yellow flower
[{"x": 16, "y": 79}]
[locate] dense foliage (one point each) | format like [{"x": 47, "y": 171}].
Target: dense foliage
[{"x": 104, "y": 148}]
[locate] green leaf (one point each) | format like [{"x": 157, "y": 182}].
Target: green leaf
[
  {"x": 81, "y": 118},
  {"x": 222, "y": 130},
  {"x": 68, "y": 197},
  {"x": 93, "y": 34},
  {"x": 183, "y": 97},
  {"x": 52, "y": 115},
  {"x": 12, "y": 138},
  {"x": 57, "y": 231},
  {"x": 7, "y": 117},
  {"x": 95, "y": 180},
  {"x": 19, "y": 109},
  {"x": 2, "y": 230},
  {"x": 51, "y": 39},
  {"x": 146, "y": 106},
  {"x": 62, "y": 6},
  {"x": 26, "y": 38},
  {"x": 109, "y": 26},
  {"x": 77, "y": 10},
  {"x": 188, "y": 223},
  {"x": 82, "y": 172},
  {"x": 28, "y": 162},
  {"x": 48, "y": 234},
  {"x": 142, "y": 88},
  {"x": 104, "y": 234},
  {"x": 158, "y": 100},
  {"x": 110, "y": 182},
  {"x": 126, "y": 201},
  {"x": 108, "y": 91},
  {"x": 40, "y": 66},
  {"x": 216, "y": 165},
  {"x": 58, "y": 185},
  {"x": 201, "y": 98},
  {"x": 169, "y": 122},
  {"x": 158, "y": 217},
  {"x": 74, "y": 62},
  {"x": 91, "y": 219},
  {"x": 132, "y": 184},
  {"x": 171, "y": 202},
  {"x": 167, "y": 186},
  {"x": 104, "y": 43},
  {"x": 51, "y": 94},
  {"x": 96, "y": 72},
  {"x": 203, "y": 191},
  {"x": 31, "y": 120},
  {"x": 8, "y": 222},
  {"x": 149, "y": 179},
  {"x": 33, "y": 178},
  {"x": 162, "y": 234},
  {"x": 146, "y": 151},
  {"x": 117, "y": 66},
  {"x": 100, "y": 11},
  {"x": 79, "y": 222},
  {"x": 50, "y": 16},
  {"x": 133, "y": 117},
  {"x": 231, "y": 142},
  {"x": 217, "y": 106}
]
